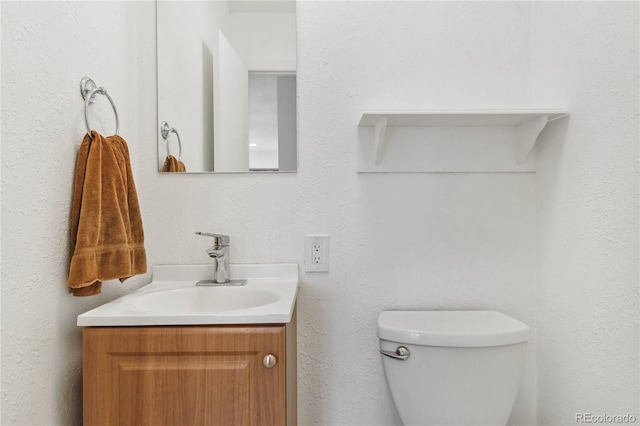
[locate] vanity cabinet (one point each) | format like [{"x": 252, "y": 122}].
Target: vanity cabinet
[{"x": 190, "y": 375}]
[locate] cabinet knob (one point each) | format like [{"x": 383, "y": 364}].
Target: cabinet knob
[{"x": 269, "y": 361}]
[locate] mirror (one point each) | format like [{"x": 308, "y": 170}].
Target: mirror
[{"x": 226, "y": 86}]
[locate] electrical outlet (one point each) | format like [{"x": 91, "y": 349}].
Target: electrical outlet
[{"x": 316, "y": 253}]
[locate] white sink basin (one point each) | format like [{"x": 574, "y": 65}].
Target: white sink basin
[
  {"x": 204, "y": 300},
  {"x": 173, "y": 298}
]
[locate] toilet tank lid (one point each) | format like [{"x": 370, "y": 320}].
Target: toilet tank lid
[{"x": 451, "y": 328}]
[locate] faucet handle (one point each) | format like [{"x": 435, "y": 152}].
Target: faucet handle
[{"x": 219, "y": 240}]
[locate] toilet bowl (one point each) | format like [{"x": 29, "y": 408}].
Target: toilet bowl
[{"x": 452, "y": 367}]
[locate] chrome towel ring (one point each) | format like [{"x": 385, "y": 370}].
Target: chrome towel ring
[
  {"x": 88, "y": 89},
  {"x": 165, "y": 131}
]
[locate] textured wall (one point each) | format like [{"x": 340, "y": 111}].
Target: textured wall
[
  {"x": 587, "y": 189},
  {"x": 47, "y": 47}
]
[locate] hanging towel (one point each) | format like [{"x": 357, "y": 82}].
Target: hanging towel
[
  {"x": 106, "y": 227},
  {"x": 172, "y": 164}
]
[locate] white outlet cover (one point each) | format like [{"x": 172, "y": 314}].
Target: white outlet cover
[{"x": 323, "y": 240}]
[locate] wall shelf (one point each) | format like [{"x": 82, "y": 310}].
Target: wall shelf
[{"x": 526, "y": 124}]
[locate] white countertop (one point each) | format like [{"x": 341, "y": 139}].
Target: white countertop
[{"x": 172, "y": 298}]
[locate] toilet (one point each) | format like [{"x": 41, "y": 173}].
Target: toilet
[{"x": 452, "y": 367}]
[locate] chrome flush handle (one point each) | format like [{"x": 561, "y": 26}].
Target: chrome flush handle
[{"x": 401, "y": 353}]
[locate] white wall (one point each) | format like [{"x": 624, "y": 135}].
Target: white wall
[
  {"x": 586, "y": 57},
  {"x": 47, "y": 47},
  {"x": 232, "y": 130},
  {"x": 397, "y": 241},
  {"x": 265, "y": 41},
  {"x": 404, "y": 241}
]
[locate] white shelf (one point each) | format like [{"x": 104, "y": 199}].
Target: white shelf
[{"x": 528, "y": 124}]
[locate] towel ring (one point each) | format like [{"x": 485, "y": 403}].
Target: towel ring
[
  {"x": 89, "y": 90},
  {"x": 165, "y": 131}
]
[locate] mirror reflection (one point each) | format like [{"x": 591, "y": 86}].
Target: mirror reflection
[{"x": 226, "y": 86}]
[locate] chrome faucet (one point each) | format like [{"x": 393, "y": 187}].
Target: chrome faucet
[{"x": 220, "y": 253}]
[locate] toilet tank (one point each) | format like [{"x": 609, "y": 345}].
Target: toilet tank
[{"x": 464, "y": 367}]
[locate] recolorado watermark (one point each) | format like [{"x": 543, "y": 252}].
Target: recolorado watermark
[{"x": 605, "y": 418}]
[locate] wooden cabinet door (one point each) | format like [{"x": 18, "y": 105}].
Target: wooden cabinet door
[{"x": 174, "y": 376}]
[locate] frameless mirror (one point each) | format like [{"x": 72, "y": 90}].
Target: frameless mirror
[{"x": 226, "y": 86}]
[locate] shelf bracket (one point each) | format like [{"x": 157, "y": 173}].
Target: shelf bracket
[
  {"x": 380, "y": 127},
  {"x": 528, "y": 133}
]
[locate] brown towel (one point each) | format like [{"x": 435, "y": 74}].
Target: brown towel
[
  {"x": 106, "y": 226},
  {"x": 172, "y": 164}
]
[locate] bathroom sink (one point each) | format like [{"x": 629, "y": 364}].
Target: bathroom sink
[
  {"x": 172, "y": 298},
  {"x": 204, "y": 299}
]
